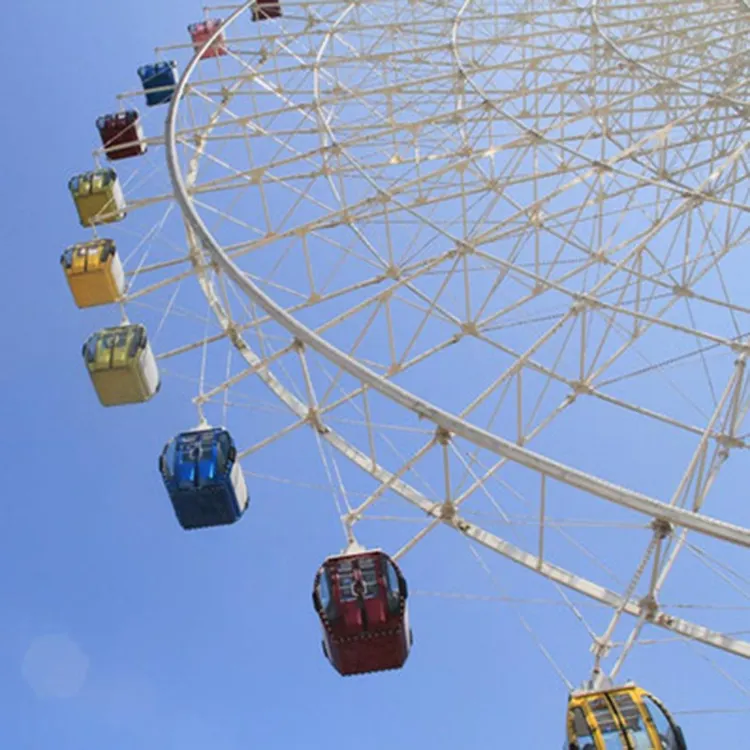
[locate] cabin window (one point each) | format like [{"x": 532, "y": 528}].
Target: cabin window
[
  {"x": 369, "y": 577},
  {"x": 168, "y": 461},
  {"x": 137, "y": 340},
  {"x": 392, "y": 577},
  {"x": 189, "y": 451},
  {"x": 605, "y": 720},
  {"x": 222, "y": 452},
  {"x": 90, "y": 350},
  {"x": 662, "y": 723},
  {"x": 346, "y": 587},
  {"x": 113, "y": 340},
  {"x": 345, "y": 574},
  {"x": 206, "y": 453},
  {"x": 207, "y": 446},
  {"x": 189, "y": 455},
  {"x": 631, "y": 715},
  {"x": 102, "y": 179},
  {"x": 581, "y": 730},
  {"x": 324, "y": 593},
  {"x": 107, "y": 249},
  {"x": 394, "y": 589}
]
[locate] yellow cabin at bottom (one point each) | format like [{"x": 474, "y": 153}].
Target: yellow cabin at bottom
[
  {"x": 122, "y": 365},
  {"x": 94, "y": 272},
  {"x": 620, "y": 718}
]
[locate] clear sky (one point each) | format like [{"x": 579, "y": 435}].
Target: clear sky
[{"x": 120, "y": 631}]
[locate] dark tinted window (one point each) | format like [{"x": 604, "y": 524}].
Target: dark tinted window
[
  {"x": 346, "y": 581},
  {"x": 581, "y": 730},
  {"x": 663, "y": 725},
  {"x": 369, "y": 577},
  {"x": 391, "y": 577}
]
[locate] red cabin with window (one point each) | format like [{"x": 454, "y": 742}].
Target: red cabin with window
[
  {"x": 361, "y": 601},
  {"x": 121, "y": 134},
  {"x": 201, "y": 32},
  {"x": 266, "y": 9}
]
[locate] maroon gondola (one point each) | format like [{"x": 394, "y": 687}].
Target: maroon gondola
[
  {"x": 121, "y": 134},
  {"x": 266, "y": 9},
  {"x": 361, "y": 601},
  {"x": 201, "y": 31}
]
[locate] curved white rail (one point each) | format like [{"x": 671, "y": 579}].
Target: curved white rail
[{"x": 449, "y": 422}]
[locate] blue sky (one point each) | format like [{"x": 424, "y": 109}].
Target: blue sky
[{"x": 138, "y": 635}]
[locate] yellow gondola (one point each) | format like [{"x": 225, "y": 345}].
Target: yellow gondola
[
  {"x": 620, "y": 718},
  {"x": 98, "y": 197},
  {"x": 94, "y": 272},
  {"x": 122, "y": 365}
]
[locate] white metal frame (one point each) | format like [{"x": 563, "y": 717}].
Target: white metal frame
[{"x": 721, "y": 428}]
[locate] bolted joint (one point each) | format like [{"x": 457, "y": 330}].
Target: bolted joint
[
  {"x": 649, "y": 607},
  {"x": 662, "y": 618},
  {"x": 601, "y": 166},
  {"x": 661, "y": 528},
  {"x": 581, "y": 387},
  {"x": 313, "y": 419},
  {"x": 393, "y": 272},
  {"x": 680, "y": 290},
  {"x": 728, "y": 442},
  {"x": 447, "y": 512},
  {"x": 442, "y": 436},
  {"x": 235, "y": 337}
]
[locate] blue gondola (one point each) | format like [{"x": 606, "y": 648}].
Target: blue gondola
[
  {"x": 204, "y": 481},
  {"x": 159, "y": 80}
]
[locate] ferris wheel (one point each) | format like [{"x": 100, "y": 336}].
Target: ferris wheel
[{"x": 484, "y": 261}]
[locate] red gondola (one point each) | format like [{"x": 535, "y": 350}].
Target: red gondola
[
  {"x": 361, "y": 601},
  {"x": 201, "y": 31},
  {"x": 121, "y": 134},
  {"x": 266, "y": 9}
]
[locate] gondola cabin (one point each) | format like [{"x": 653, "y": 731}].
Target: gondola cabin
[
  {"x": 98, "y": 197},
  {"x": 158, "y": 80},
  {"x": 620, "y": 718},
  {"x": 264, "y": 10},
  {"x": 94, "y": 272},
  {"x": 203, "y": 478},
  {"x": 361, "y": 601},
  {"x": 121, "y": 134},
  {"x": 201, "y": 32},
  {"x": 122, "y": 365}
]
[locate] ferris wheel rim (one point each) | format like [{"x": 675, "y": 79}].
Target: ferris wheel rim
[
  {"x": 611, "y": 599},
  {"x": 452, "y": 424}
]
